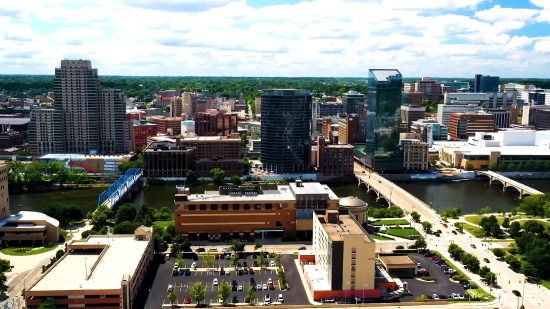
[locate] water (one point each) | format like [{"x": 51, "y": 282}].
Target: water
[{"x": 470, "y": 195}]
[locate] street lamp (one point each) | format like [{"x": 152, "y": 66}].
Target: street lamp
[{"x": 363, "y": 298}]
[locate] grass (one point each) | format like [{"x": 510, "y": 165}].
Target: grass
[
  {"x": 162, "y": 224},
  {"x": 391, "y": 222},
  {"x": 474, "y": 230},
  {"x": 546, "y": 224},
  {"x": 404, "y": 232},
  {"x": 27, "y": 251},
  {"x": 380, "y": 237},
  {"x": 546, "y": 284},
  {"x": 498, "y": 240},
  {"x": 476, "y": 220}
]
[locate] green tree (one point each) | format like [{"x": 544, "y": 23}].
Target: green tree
[
  {"x": 416, "y": 216},
  {"x": 261, "y": 259},
  {"x": 172, "y": 296},
  {"x": 237, "y": 246},
  {"x": 218, "y": 175},
  {"x": 471, "y": 262},
  {"x": 484, "y": 270},
  {"x": 64, "y": 213},
  {"x": 257, "y": 246},
  {"x": 506, "y": 223},
  {"x": 459, "y": 226},
  {"x": 125, "y": 228},
  {"x": 208, "y": 260},
  {"x": 191, "y": 176},
  {"x": 246, "y": 166},
  {"x": 125, "y": 212},
  {"x": 534, "y": 204},
  {"x": 5, "y": 265},
  {"x": 420, "y": 243},
  {"x": 484, "y": 210},
  {"x": 197, "y": 292},
  {"x": 234, "y": 260},
  {"x": 236, "y": 180},
  {"x": 469, "y": 167},
  {"x": 499, "y": 252},
  {"x": 514, "y": 229},
  {"x": 427, "y": 226},
  {"x": 250, "y": 296},
  {"x": 101, "y": 217},
  {"x": 224, "y": 291},
  {"x": 532, "y": 226},
  {"x": 181, "y": 244},
  {"x": 144, "y": 215},
  {"x": 47, "y": 303},
  {"x": 493, "y": 166}
]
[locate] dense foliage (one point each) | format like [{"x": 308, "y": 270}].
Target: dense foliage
[
  {"x": 389, "y": 212},
  {"x": 38, "y": 176},
  {"x": 64, "y": 213},
  {"x": 472, "y": 263},
  {"x": 530, "y": 166}
]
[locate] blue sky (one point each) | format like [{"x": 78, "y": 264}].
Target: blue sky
[{"x": 456, "y": 38}]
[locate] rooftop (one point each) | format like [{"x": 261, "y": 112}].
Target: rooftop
[
  {"x": 193, "y": 139},
  {"x": 312, "y": 188},
  {"x": 317, "y": 278},
  {"x": 29, "y": 216},
  {"x": 346, "y": 226},
  {"x": 121, "y": 257},
  {"x": 14, "y": 121},
  {"x": 64, "y": 156},
  {"x": 385, "y": 75},
  {"x": 283, "y": 193},
  {"x": 397, "y": 260}
]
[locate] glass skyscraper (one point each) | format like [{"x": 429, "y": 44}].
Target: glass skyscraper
[
  {"x": 285, "y": 131},
  {"x": 486, "y": 83},
  {"x": 384, "y": 96}
]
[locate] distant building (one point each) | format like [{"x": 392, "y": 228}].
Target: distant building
[
  {"x": 412, "y": 98},
  {"x": 430, "y": 89},
  {"x": 213, "y": 122},
  {"x": 330, "y": 109},
  {"x": 28, "y": 228},
  {"x": 456, "y": 85},
  {"x": 207, "y": 147},
  {"x": 444, "y": 111},
  {"x": 536, "y": 96},
  {"x": 542, "y": 119},
  {"x": 354, "y": 103},
  {"x": 412, "y": 113},
  {"x": 141, "y": 132},
  {"x": 486, "y": 83},
  {"x": 502, "y": 117},
  {"x": 464, "y": 125},
  {"x": 351, "y": 129},
  {"x": 115, "y": 130},
  {"x": 415, "y": 154},
  {"x": 167, "y": 160},
  {"x": 11, "y": 139},
  {"x": 169, "y": 126},
  {"x": 333, "y": 160}
]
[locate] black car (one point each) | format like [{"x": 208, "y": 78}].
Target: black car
[
  {"x": 486, "y": 260},
  {"x": 473, "y": 246},
  {"x": 454, "y": 232},
  {"x": 245, "y": 271},
  {"x": 234, "y": 287},
  {"x": 245, "y": 264},
  {"x": 517, "y": 293},
  {"x": 235, "y": 299},
  {"x": 201, "y": 250},
  {"x": 239, "y": 264},
  {"x": 302, "y": 248},
  {"x": 399, "y": 247},
  {"x": 187, "y": 272},
  {"x": 239, "y": 272}
]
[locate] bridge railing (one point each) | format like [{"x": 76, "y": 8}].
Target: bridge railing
[{"x": 131, "y": 174}]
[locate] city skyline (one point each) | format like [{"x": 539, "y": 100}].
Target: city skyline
[{"x": 338, "y": 38}]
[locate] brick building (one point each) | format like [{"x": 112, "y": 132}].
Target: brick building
[
  {"x": 333, "y": 160},
  {"x": 167, "y": 160},
  {"x": 215, "y": 122},
  {"x": 141, "y": 132},
  {"x": 167, "y": 125},
  {"x": 464, "y": 125}
]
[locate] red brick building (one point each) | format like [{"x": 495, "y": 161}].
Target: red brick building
[
  {"x": 142, "y": 132},
  {"x": 136, "y": 115},
  {"x": 215, "y": 123}
]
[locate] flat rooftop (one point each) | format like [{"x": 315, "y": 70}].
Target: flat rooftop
[
  {"x": 122, "y": 257},
  {"x": 172, "y": 139},
  {"x": 317, "y": 278},
  {"x": 345, "y": 227},
  {"x": 402, "y": 260},
  {"x": 282, "y": 193},
  {"x": 481, "y": 150},
  {"x": 312, "y": 188}
]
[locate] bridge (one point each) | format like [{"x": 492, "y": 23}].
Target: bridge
[
  {"x": 508, "y": 183},
  {"x": 119, "y": 189}
]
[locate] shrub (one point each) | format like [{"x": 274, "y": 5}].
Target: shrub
[
  {"x": 420, "y": 299},
  {"x": 87, "y": 233},
  {"x": 458, "y": 277},
  {"x": 428, "y": 278}
]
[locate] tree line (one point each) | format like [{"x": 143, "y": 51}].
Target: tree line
[
  {"x": 39, "y": 176},
  {"x": 528, "y": 166},
  {"x": 471, "y": 263}
]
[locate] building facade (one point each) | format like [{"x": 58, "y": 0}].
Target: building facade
[
  {"x": 502, "y": 117},
  {"x": 412, "y": 98},
  {"x": 330, "y": 109},
  {"x": 444, "y": 111},
  {"x": 215, "y": 123},
  {"x": 486, "y": 83},
  {"x": 354, "y": 103},
  {"x": 542, "y": 119},
  {"x": 176, "y": 107},
  {"x": 4, "y": 193},
  {"x": 169, "y": 126},
  {"x": 412, "y": 113},
  {"x": 351, "y": 129},
  {"x": 167, "y": 160},
  {"x": 415, "y": 154},
  {"x": 286, "y": 129},
  {"x": 141, "y": 132},
  {"x": 46, "y": 132},
  {"x": 334, "y": 160},
  {"x": 464, "y": 125},
  {"x": 429, "y": 88},
  {"x": 383, "y": 120},
  {"x": 115, "y": 130}
]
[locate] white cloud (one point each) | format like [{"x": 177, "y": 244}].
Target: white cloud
[{"x": 310, "y": 38}]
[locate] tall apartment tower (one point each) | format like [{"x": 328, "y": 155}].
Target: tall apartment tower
[
  {"x": 115, "y": 130},
  {"x": 176, "y": 106},
  {"x": 4, "y": 193},
  {"x": 285, "y": 130},
  {"x": 354, "y": 102},
  {"x": 46, "y": 132}
]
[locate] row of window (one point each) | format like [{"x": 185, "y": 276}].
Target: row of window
[{"x": 234, "y": 206}]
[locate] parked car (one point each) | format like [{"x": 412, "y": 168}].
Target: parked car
[
  {"x": 399, "y": 247},
  {"x": 302, "y": 248},
  {"x": 201, "y": 250},
  {"x": 240, "y": 288},
  {"x": 454, "y": 232},
  {"x": 264, "y": 286},
  {"x": 271, "y": 286},
  {"x": 235, "y": 299},
  {"x": 486, "y": 260},
  {"x": 215, "y": 282},
  {"x": 435, "y": 296},
  {"x": 473, "y": 246},
  {"x": 267, "y": 299},
  {"x": 187, "y": 300},
  {"x": 280, "y": 298}
]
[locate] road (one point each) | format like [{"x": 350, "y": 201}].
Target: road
[{"x": 508, "y": 280}]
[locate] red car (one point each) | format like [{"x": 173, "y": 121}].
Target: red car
[
  {"x": 445, "y": 225},
  {"x": 187, "y": 300},
  {"x": 271, "y": 286},
  {"x": 250, "y": 271},
  {"x": 434, "y": 257}
]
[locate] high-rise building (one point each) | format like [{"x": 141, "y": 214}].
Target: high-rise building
[
  {"x": 215, "y": 122},
  {"x": 444, "y": 111},
  {"x": 429, "y": 88},
  {"x": 46, "y": 132},
  {"x": 285, "y": 132},
  {"x": 176, "y": 106},
  {"x": 115, "y": 130},
  {"x": 463, "y": 125},
  {"x": 384, "y": 99},
  {"x": 486, "y": 83},
  {"x": 354, "y": 103}
]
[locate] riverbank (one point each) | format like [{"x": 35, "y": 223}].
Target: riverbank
[{"x": 64, "y": 187}]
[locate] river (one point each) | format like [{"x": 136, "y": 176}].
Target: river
[{"x": 470, "y": 195}]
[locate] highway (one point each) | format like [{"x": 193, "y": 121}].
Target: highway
[{"x": 508, "y": 280}]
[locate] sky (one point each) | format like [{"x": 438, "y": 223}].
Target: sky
[{"x": 329, "y": 38}]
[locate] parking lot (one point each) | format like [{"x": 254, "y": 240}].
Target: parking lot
[
  {"x": 157, "y": 282},
  {"x": 443, "y": 285}
]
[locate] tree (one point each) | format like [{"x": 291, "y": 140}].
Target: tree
[
  {"x": 532, "y": 226},
  {"x": 125, "y": 212},
  {"x": 484, "y": 211},
  {"x": 469, "y": 167},
  {"x": 101, "y": 217},
  {"x": 64, "y": 213},
  {"x": 224, "y": 291},
  {"x": 420, "y": 243},
  {"x": 218, "y": 175},
  {"x": 234, "y": 260},
  {"x": 493, "y": 166},
  {"x": 427, "y": 226},
  {"x": 5, "y": 265},
  {"x": 250, "y": 296},
  {"x": 197, "y": 292},
  {"x": 257, "y": 246},
  {"x": 471, "y": 262},
  {"x": 236, "y": 180},
  {"x": 172, "y": 296},
  {"x": 506, "y": 223},
  {"x": 499, "y": 252},
  {"x": 459, "y": 226},
  {"x": 535, "y": 204},
  {"x": 514, "y": 229},
  {"x": 181, "y": 244},
  {"x": 237, "y": 246},
  {"x": 125, "y": 228},
  {"x": 261, "y": 260},
  {"x": 191, "y": 176},
  {"x": 246, "y": 166},
  {"x": 495, "y": 230},
  {"x": 47, "y": 303},
  {"x": 484, "y": 271},
  {"x": 415, "y": 215},
  {"x": 453, "y": 212},
  {"x": 208, "y": 260},
  {"x": 144, "y": 215}
]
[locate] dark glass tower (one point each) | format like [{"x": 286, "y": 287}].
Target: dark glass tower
[
  {"x": 384, "y": 95},
  {"x": 486, "y": 83},
  {"x": 285, "y": 132},
  {"x": 354, "y": 102}
]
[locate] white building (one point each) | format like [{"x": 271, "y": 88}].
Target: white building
[
  {"x": 444, "y": 111},
  {"x": 188, "y": 128},
  {"x": 465, "y": 98}
]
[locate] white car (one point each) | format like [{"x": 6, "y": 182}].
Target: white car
[
  {"x": 280, "y": 298},
  {"x": 170, "y": 288},
  {"x": 228, "y": 272},
  {"x": 264, "y": 286},
  {"x": 435, "y": 296},
  {"x": 267, "y": 299},
  {"x": 194, "y": 264},
  {"x": 225, "y": 250},
  {"x": 215, "y": 282},
  {"x": 240, "y": 288},
  {"x": 258, "y": 286},
  {"x": 269, "y": 281},
  {"x": 457, "y": 296},
  {"x": 213, "y": 249},
  {"x": 271, "y": 264}
]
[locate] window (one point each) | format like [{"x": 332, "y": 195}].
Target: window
[
  {"x": 278, "y": 223},
  {"x": 225, "y": 206},
  {"x": 192, "y": 207},
  {"x": 202, "y": 206},
  {"x": 268, "y": 206},
  {"x": 236, "y": 207},
  {"x": 214, "y": 207},
  {"x": 246, "y": 206},
  {"x": 257, "y": 206}
]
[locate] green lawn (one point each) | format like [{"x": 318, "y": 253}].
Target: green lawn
[
  {"x": 474, "y": 230},
  {"x": 162, "y": 224},
  {"x": 477, "y": 219},
  {"x": 404, "y": 232},
  {"x": 391, "y": 222},
  {"x": 546, "y": 224},
  {"x": 380, "y": 237},
  {"x": 27, "y": 251}
]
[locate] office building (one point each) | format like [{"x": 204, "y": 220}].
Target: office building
[
  {"x": 430, "y": 89},
  {"x": 134, "y": 114},
  {"x": 115, "y": 130},
  {"x": 253, "y": 128},
  {"x": 479, "y": 99},
  {"x": 26, "y": 228},
  {"x": 9, "y": 139},
  {"x": 530, "y": 114},
  {"x": 464, "y": 125},
  {"x": 486, "y": 83},
  {"x": 215, "y": 123},
  {"x": 354, "y": 103},
  {"x": 351, "y": 129},
  {"x": 167, "y": 125},
  {"x": 176, "y": 106},
  {"x": 330, "y": 109},
  {"x": 101, "y": 271},
  {"x": 412, "y": 113},
  {"x": 456, "y": 85},
  {"x": 330, "y": 129},
  {"x": 189, "y": 103},
  {"x": 142, "y": 131},
  {"x": 255, "y": 212},
  {"x": 333, "y": 160},
  {"x": 444, "y": 111},
  {"x": 409, "y": 87},
  {"x": 502, "y": 117},
  {"x": 344, "y": 259},
  {"x": 206, "y": 147},
  {"x": 500, "y": 100},
  {"x": 286, "y": 129},
  {"x": 536, "y": 96},
  {"x": 412, "y": 98},
  {"x": 257, "y": 105},
  {"x": 415, "y": 154},
  {"x": 188, "y": 128},
  {"x": 542, "y": 119},
  {"x": 167, "y": 160},
  {"x": 4, "y": 193},
  {"x": 513, "y": 88},
  {"x": 381, "y": 151}
]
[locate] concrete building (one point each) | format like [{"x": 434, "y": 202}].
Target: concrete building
[
  {"x": 135, "y": 114},
  {"x": 415, "y": 154},
  {"x": 530, "y": 114},
  {"x": 354, "y": 103},
  {"x": 286, "y": 130},
  {"x": 330, "y": 109},
  {"x": 333, "y": 160},
  {"x": 27, "y": 228},
  {"x": 206, "y": 147},
  {"x": 255, "y": 213},
  {"x": 142, "y": 131},
  {"x": 412, "y": 98},
  {"x": 351, "y": 129},
  {"x": 536, "y": 96},
  {"x": 430, "y": 89},
  {"x": 486, "y": 83},
  {"x": 167, "y": 160},
  {"x": 46, "y": 132},
  {"x": 502, "y": 117},
  {"x": 542, "y": 119},
  {"x": 479, "y": 99},
  {"x": 464, "y": 125},
  {"x": 4, "y": 193},
  {"x": 102, "y": 271},
  {"x": 253, "y": 128},
  {"x": 169, "y": 126},
  {"x": 215, "y": 123},
  {"x": 444, "y": 111},
  {"x": 412, "y": 113},
  {"x": 115, "y": 130},
  {"x": 344, "y": 258},
  {"x": 513, "y": 88},
  {"x": 189, "y": 103},
  {"x": 176, "y": 107},
  {"x": 188, "y": 128},
  {"x": 409, "y": 87},
  {"x": 258, "y": 105}
]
